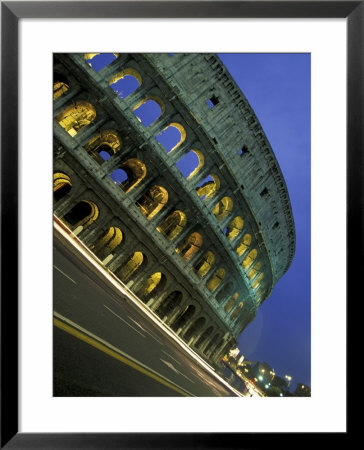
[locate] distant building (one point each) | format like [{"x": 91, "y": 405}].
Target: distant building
[
  {"x": 280, "y": 382},
  {"x": 265, "y": 372},
  {"x": 240, "y": 360},
  {"x": 246, "y": 368},
  {"x": 202, "y": 248},
  {"x": 302, "y": 391}
]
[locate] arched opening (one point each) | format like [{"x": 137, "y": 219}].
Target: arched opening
[
  {"x": 99, "y": 60},
  {"x": 212, "y": 343},
  {"x": 60, "y": 85},
  {"x": 83, "y": 214},
  {"x": 236, "y": 311},
  {"x": 130, "y": 174},
  {"x": 244, "y": 244},
  {"x": 153, "y": 201},
  {"x": 215, "y": 281},
  {"x": 61, "y": 185},
  {"x": 183, "y": 318},
  {"x": 103, "y": 154},
  {"x": 131, "y": 266},
  {"x": 190, "y": 246},
  {"x": 249, "y": 259},
  {"x": 234, "y": 228},
  {"x": 259, "y": 291},
  {"x": 223, "y": 208},
  {"x": 217, "y": 348},
  {"x": 194, "y": 329},
  {"x": 119, "y": 176},
  {"x": 169, "y": 304},
  {"x": 203, "y": 337},
  {"x": 190, "y": 164},
  {"x": 253, "y": 272},
  {"x": 258, "y": 280},
  {"x": 173, "y": 224},
  {"x": 104, "y": 145},
  {"x": 208, "y": 187},
  {"x": 107, "y": 242},
  {"x": 149, "y": 110},
  {"x": 76, "y": 116},
  {"x": 125, "y": 82},
  {"x": 205, "y": 263},
  {"x": 225, "y": 292},
  {"x": 229, "y": 305},
  {"x": 156, "y": 281},
  {"x": 171, "y": 137}
]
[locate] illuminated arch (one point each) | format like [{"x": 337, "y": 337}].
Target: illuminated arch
[
  {"x": 61, "y": 185},
  {"x": 236, "y": 311},
  {"x": 223, "y": 208},
  {"x": 153, "y": 201},
  {"x": 173, "y": 224},
  {"x": 249, "y": 259},
  {"x": 190, "y": 246},
  {"x": 209, "y": 188},
  {"x": 257, "y": 281},
  {"x": 135, "y": 171},
  {"x": 230, "y": 303},
  {"x": 244, "y": 244},
  {"x": 191, "y": 163},
  {"x": 129, "y": 71},
  {"x": 90, "y": 56},
  {"x": 215, "y": 281},
  {"x": 77, "y": 116},
  {"x": 60, "y": 85},
  {"x": 152, "y": 113},
  {"x": 126, "y": 82},
  {"x": 182, "y": 133},
  {"x": 107, "y": 242},
  {"x": 107, "y": 141},
  {"x": 83, "y": 214},
  {"x": 126, "y": 72},
  {"x": 131, "y": 266},
  {"x": 253, "y": 272},
  {"x": 234, "y": 228},
  {"x": 260, "y": 290},
  {"x": 201, "y": 162},
  {"x": 205, "y": 263},
  {"x": 98, "y": 61},
  {"x": 157, "y": 279}
]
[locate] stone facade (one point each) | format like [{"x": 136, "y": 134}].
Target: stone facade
[{"x": 202, "y": 251}]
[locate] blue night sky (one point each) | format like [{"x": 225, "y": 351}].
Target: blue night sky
[{"x": 278, "y": 88}]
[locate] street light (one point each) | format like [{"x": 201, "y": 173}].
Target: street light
[{"x": 289, "y": 379}]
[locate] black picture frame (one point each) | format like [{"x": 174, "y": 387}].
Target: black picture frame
[{"x": 11, "y": 12}]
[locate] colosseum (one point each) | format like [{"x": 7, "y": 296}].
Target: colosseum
[{"x": 198, "y": 226}]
